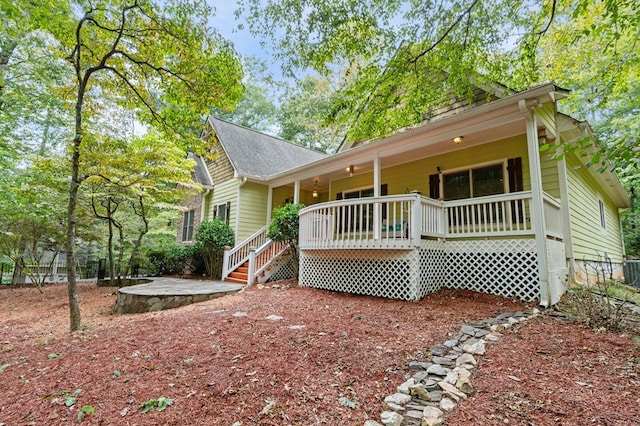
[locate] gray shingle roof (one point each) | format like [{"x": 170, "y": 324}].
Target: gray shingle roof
[
  {"x": 200, "y": 171},
  {"x": 257, "y": 154}
]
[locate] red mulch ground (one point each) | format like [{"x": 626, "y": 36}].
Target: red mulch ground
[{"x": 220, "y": 369}]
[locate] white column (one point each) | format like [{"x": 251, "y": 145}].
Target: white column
[
  {"x": 377, "y": 212},
  {"x": 564, "y": 210},
  {"x": 269, "y": 203},
  {"x": 537, "y": 207},
  {"x": 296, "y": 192}
]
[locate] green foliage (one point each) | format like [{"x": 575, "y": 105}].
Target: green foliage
[
  {"x": 159, "y": 404},
  {"x": 71, "y": 400},
  {"x": 85, "y": 410},
  {"x": 285, "y": 224},
  {"x": 303, "y": 115},
  {"x": 211, "y": 239},
  {"x": 285, "y": 227},
  {"x": 256, "y": 109}
]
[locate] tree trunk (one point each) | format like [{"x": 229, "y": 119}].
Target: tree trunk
[
  {"x": 112, "y": 265},
  {"x": 74, "y": 184}
]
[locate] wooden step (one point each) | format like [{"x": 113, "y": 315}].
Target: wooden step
[{"x": 231, "y": 279}]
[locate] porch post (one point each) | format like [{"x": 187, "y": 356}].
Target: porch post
[
  {"x": 537, "y": 206},
  {"x": 376, "y": 193},
  {"x": 296, "y": 192},
  {"x": 564, "y": 210},
  {"x": 269, "y": 203}
]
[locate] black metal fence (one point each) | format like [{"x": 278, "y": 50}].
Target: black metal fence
[{"x": 632, "y": 272}]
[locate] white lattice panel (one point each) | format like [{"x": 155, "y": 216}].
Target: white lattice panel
[
  {"x": 505, "y": 267},
  {"x": 433, "y": 267},
  {"x": 558, "y": 271},
  {"x": 282, "y": 269},
  {"x": 384, "y": 273}
]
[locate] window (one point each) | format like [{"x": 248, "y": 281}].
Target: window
[
  {"x": 187, "y": 225},
  {"x": 222, "y": 211},
  {"x": 476, "y": 182},
  {"x": 603, "y": 218}
]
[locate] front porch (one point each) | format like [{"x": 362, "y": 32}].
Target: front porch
[{"x": 406, "y": 246}]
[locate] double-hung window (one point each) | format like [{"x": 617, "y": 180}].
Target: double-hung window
[{"x": 187, "y": 225}]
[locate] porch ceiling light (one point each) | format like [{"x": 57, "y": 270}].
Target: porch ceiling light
[
  {"x": 315, "y": 189},
  {"x": 350, "y": 169},
  {"x": 457, "y": 139}
]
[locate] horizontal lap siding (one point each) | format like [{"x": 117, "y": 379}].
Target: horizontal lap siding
[
  {"x": 253, "y": 209},
  {"x": 590, "y": 242},
  {"x": 549, "y": 165},
  {"x": 226, "y": 192}
]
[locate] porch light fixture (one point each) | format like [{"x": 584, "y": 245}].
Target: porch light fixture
[
  {"x": 315, "y": 189},
  {"x": 350, "y": 169},
  {"x": 457, "y": 139}
]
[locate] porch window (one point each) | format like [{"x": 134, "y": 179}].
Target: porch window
[
  {"x": 359, "y": 218},
  {"x": 187, "y": 225},
  {"x": 475, "y": 182}
]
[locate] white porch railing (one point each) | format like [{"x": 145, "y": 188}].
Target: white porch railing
[
  {"x": 552, "y": 216},
  {"x": 262, "y": 258},
  {"x": 239, "y": 254},
  {"x": 496, "y": 215},
  {"x": 400, "y": 221}
]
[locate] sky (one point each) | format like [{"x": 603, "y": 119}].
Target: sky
[{"x": 245, "y": 44}]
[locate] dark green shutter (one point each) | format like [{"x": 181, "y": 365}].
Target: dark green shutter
[
  {"x": 434, "y": 186},
  {"x": 514, "y": 168}
]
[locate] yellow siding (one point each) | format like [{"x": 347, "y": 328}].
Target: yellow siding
[
  {"x": 549, "y": 172},
  {"x": 282, "y": 195},
  {"x": 223, "y": 193},
  {"x": 253, "y": 209},
  {"x": 590, "y": 241},
  {"x": 415, "y": 175},
  {"x": 546, "y": 115}
]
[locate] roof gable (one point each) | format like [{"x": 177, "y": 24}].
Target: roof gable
[
  {"x": 200, "y": 172},
  {"x": 257, "y": 154}
]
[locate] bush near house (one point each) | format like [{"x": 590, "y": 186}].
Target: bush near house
[
  {"x": 211, "y": 239},
  {"x": 285, "y": 227}
]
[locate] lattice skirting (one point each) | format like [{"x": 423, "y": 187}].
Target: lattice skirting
[
  {"x": 558, "y": 273},
  {"x": 282, "y": 268},
  {"x": 506, "y": 267},
  {"x": 384, "y": 273}
]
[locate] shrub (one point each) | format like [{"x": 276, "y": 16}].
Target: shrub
[
  {"x": 211, "y": 239},
  {"x": 285, "y": 227}
]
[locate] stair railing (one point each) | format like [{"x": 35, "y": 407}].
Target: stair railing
[
  {"x": 261, "y": 258},
  {"x": 236, "y": 256}
]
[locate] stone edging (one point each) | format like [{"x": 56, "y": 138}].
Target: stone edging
[{"x": 435, "y": 386}]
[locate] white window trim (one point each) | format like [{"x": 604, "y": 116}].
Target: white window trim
[
  {"x": 602, "y": 215},
  {"x": 505, "y": 174}
]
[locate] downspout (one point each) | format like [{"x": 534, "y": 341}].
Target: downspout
[
  {"x": 203, "y": 207},
  {"x": 537, "y": 207},
  {"x": 243, "y": 180}
]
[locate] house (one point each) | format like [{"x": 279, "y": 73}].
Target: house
[
  {"x": 233, "y": 177},
  {"x": 466, "y": 199}
]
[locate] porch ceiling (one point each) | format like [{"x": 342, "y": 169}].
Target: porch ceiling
[{"x": 422, "y": 148}]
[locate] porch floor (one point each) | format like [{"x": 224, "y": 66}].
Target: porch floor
[{"x": 166, "y": 293}]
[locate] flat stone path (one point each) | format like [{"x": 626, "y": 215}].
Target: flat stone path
[{"x": 166, "y": 293}]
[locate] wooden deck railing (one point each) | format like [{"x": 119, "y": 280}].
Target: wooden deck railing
[
  {"x": 400, "y": 221},
  {"x": 239, "y": 254}
]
